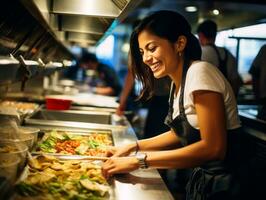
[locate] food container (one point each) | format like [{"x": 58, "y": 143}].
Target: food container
[
  {"x": 9, "y": 167},
  {"x": 53, "y": 178},
  {"x": 30, "y": 130},
  {"x": 57, "y": 104},
  {"x": 27, "y": 139},
  {"x": 14, "y": 150},
  {"x": 90, "y": 143}
]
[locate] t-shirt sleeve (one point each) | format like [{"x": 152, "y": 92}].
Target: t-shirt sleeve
[{"x": 204, "y": 76}]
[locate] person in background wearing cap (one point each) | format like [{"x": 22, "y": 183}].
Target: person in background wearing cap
[
  {"x": 205, "y": 127},
  {"x": 218, "y": 56}
]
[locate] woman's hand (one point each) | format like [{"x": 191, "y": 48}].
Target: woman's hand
[
  {"x": 121, "y": 151},
  {"x": 119, "y": 165}
]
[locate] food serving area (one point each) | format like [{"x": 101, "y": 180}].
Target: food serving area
[
  {"x": 67, "y": 151},
  {"x": 54, "y": 136}
]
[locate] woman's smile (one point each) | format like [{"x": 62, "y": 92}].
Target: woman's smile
[{"x": 155, "y": 66}]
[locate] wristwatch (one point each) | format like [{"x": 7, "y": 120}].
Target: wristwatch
[{"x": 142, "y": 160}]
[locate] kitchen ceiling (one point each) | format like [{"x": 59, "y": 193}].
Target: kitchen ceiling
[
  {"x": 235, "y": 13},
  {"x": 87, "y": 22},
  {"x": 83, "y": 22}
]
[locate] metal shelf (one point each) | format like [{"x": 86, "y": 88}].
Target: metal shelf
[{"x": 9, "y": 68}]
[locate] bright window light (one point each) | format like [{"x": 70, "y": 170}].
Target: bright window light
[
  {"x": 258, "y": 30},
  {"x": 248, "y": 48},
  {"x": 105, "y": 49}
]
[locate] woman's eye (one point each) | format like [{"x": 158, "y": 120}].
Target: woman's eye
[{"x": 152, "y": 49}]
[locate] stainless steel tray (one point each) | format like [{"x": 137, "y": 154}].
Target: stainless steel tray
[
  {"x": 45, "y": 115},
  {"x": 139, "y": 184},
  {"x": 82, "y": 135},
  {"x": 60, "y": 178}
]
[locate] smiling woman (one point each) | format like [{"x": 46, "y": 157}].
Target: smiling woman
[{"x": 205, "y": 127}]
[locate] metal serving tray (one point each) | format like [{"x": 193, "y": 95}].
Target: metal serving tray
[
  {"x": 72, "y": 116},
  {"x": 62, "y": 180},
  {"x": 83, "y": 134},
  {"x": 140, "y": 184}
]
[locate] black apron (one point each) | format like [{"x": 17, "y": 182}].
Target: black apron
[{"x": 215, "y": 179}]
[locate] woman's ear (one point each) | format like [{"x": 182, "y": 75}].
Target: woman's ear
[{"x": 181, "y": 43}]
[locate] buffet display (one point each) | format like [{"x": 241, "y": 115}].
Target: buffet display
[
  {"x": 21, "y": 107},
  {"x": 94, "y": 143},
  {"x": 18, "y": 109},
  {"x": 63, "y": 160},
  {"x": 52, "y": 178}
]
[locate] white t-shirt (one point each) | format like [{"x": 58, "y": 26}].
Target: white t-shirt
[{"x": 204, "y": 76}]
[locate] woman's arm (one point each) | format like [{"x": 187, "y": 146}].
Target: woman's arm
[
  {"x": 163, "y": 141},
  {"x": 167, "y": 140},
  {"x": 212, "y": 146},
  {"x": 108, "y": 91}
]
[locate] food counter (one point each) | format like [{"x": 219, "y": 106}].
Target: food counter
[
  {"x": 252, "y": 125},
  {"x": 140, "y": 184},
  {"x": 255, "y": 130}
]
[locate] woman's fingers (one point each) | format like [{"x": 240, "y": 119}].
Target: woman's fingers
[
  {"x": 111, "y": 151},
  {"x": 116, "y": 165}
]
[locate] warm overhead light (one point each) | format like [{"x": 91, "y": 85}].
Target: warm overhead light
[
  {"x": 125, "y": 47},
  {"x": 191, "y": 8},
  {"x": 215, "y": 12}
]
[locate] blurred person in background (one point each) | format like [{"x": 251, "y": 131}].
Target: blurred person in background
[
  {"x": 101, "y": 78},
  {"x": 258, "y": 73},
  {"x": 218, "y": 56},
  {"x": 127, "y": 99}
]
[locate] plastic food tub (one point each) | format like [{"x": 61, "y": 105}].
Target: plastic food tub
[
  {"x": 30, "y": 130},
  {"x": 27, "y": 139},
  {"x": 9, "y": 167},
  {"x": 58, "y": 104},
  {"x": 16, "y": 150}
]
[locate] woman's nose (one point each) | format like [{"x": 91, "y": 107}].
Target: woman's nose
[{"x": 146, "y": 58}]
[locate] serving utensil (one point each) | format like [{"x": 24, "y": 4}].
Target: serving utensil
[{"x": 74, "y": 157}]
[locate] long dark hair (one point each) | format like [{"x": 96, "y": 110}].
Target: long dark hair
[{"x": 168, "y": 25}]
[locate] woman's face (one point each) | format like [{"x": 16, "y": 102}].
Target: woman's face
[{"x": 158, "y": 53}]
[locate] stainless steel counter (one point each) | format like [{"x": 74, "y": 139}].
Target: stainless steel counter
[
  {"x": 251, "y": 124},
  {"x": 140, "y": 184}
]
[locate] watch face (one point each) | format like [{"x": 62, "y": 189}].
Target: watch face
[
  {"x": 141, "y": 156},
  {"x": 142, "y": 160}
]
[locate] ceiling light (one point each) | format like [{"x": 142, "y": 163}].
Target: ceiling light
[
  {"x": 191, "y": 8},
  {"x": 215, "y": 12}
]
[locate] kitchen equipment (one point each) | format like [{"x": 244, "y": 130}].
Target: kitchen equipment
[
  {"x": 14, "y": 150},
  {"x": 57, "y": 104},
  {"x": 45, "y": 115},
  {"x": 9, "y": 167},
  {"x": 30, "y": 130},
  {"x": 26, "y": 139}
]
